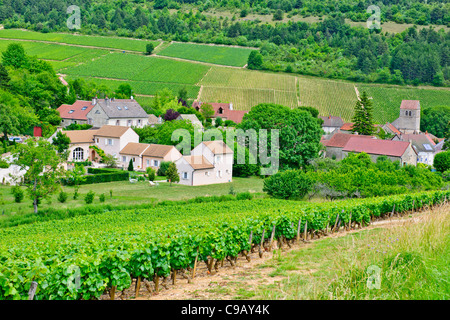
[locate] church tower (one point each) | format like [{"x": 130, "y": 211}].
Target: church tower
[{"x": 409, "y": 119}]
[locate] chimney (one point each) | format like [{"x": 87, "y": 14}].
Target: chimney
[
  {"x": 107, "y": 101},
  {"x": 231, "y": 106},
  {"x": 94, "y": 101},
  {"x": 329, "y": 116},
  {"x": 132, "y": 98}
]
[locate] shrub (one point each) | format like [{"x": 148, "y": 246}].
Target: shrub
[
  {"x": 442, "y": 161},
  {"x": 244, "y": 196},
  {"x": 130, "y": 165},
  {"x": 18, "y": 194},
  {"x": 89, "y": 198},
  {"x": 62, "y": 197},
  {"x": 151, "y": 173},
  {"x": 288, "y": 184},
  {"x": 4, "y": 164},
  {"x": 163, "y": 168},
  {"x": 102, "y": 197}
]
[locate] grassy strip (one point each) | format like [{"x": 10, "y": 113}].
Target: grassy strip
[{"x": 412, "y": 257}]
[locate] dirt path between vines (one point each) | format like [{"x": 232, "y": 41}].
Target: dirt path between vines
[{"x": 226, "y": 283}]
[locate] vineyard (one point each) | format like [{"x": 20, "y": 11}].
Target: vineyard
[
  {"x": 135, "y": 67},
  {"x": 87, "y": 256},
  {"x": 82, "y": 40},
  {"x": 223, "y": 55}
]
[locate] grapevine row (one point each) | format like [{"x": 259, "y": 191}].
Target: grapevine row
[{"x": 84, "y": 257}]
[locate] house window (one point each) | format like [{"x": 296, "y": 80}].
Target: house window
[
  {"x": 139, "y": 122},
  {"x": 148, "y": 162},
  {"x": 185, "y": 175},
  {"x": 109, "y": 142},
  {"x": 130, "y": 122},
  {"x": 218, "y": 159},
  {"x": 220, "y": 110},
  {"x": 98, "y": 140},
  {"x": 117, "y": 122},
  {"x": 124, "y": 159},
  {"x": 78, "y": 154},
  {"x": 134, "y": 159},
  {"x": 219, "y": 174},
  {"x": 155, "y": 163}
]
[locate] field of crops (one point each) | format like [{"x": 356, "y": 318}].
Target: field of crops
[
  {"x": 245, "y": 88},
  {"x": 142, "y": 68},
  {"x": 228, "y": 56},
  {"x": 387, "y": 100},
  {"x": 144, "y": 87},
  {"x": 337, "y": 98},
  {"x": 82, "y": 257},
  {"x": 83, "y": 40}
]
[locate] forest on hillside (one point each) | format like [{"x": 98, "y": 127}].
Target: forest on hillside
[{"x": 329, "y": 48}]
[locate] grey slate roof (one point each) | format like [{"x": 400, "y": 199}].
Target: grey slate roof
[
  {"x": 122, "y": 108},
  {"x": 332, "y": 121}
]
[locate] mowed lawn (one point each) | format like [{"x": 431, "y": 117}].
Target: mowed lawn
[
  {"x": 126, "y": 193},
  {"x": 224, "y": 55}
]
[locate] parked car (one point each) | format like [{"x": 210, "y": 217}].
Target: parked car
[{"x": 17, "y": 139}]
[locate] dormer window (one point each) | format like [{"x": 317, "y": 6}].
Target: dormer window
[{"x": 220, "y": 110}]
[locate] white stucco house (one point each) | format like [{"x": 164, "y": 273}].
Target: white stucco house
[
  {"x": 112, "y": 139},
  {"x": 146, "y": 155},
  {"x": 210, "y": 162}
]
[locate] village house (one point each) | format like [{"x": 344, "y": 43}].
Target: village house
[
  {"x": 210, "y": 162},
  {"x": 153, "y": 120},
  {"x": 146, "y": 155},
  {"x": 223, "y": 110},
  {"x": 80, "y": 141},
  {"x": 192, "y": 118},
  {"x": 117, "y": 112},
  {"x": 337, "y": 142},
  {"x": 394, "y": 150},
  {"x": 112, "y": 139},
  {"x": 424, "y": 145},
  {"x": 347, "y": 127},
  {"x": 331, "y": 124},
  {"x": 75, "y": 113}
]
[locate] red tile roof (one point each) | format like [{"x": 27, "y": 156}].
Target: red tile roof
[
  {"x": 78, "y": 113},
  {"x": 376, "y": 146},
  {"x": 347, "y": 126},
  {"x": 393, "y": 128},
  {"x": 226, "y": 109},
  {"x": 410, "y": 104},
  {"x": 339, "y": 139}
]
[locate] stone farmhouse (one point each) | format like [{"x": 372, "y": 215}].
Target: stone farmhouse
[
  {"x": 424, "y": 145},
  {"x": 394, "y": 150},
  {"x": 99, "y": 112},
  {"x": 75, "y": 113},
  {"x": 223, "y": 110},
  {"x": 192, "y": 118},
  {"x": 331, "y": 124},
  {"x": 117, "y": 112},
  {"x": 337, "y": 142},
  {"x": 210, "y": 162}
]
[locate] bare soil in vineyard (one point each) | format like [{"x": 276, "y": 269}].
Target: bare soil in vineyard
[{"x": 249, "y": 280}]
